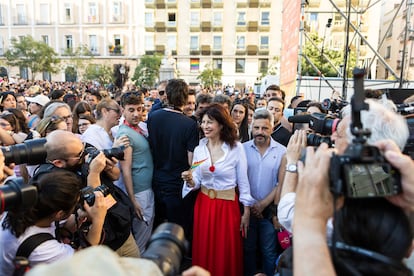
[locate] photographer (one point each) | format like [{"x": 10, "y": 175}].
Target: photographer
[
  {"x": 357, "y": 251},
  {"x": 58, "y": 195},
  {"x": 383, "y": 123},
  {"x": 66, "y": 151}
]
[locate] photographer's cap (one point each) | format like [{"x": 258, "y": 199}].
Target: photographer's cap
[{"x": 39, "y": 99}]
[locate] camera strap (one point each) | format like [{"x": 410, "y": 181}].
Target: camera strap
[{"x": 21, "y": 261}]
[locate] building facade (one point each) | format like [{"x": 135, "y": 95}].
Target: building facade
[{"x": 242, "y": 37}]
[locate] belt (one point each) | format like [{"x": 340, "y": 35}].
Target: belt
[{"x": 219, "y": 194}]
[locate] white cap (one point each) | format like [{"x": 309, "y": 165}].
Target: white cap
[{"x": 39, "y": 99}]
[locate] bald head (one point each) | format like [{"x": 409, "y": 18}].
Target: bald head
[{"x": 59, "y": 144}]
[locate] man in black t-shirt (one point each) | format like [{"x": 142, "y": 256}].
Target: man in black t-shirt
[{"x": 172, "y": 137}]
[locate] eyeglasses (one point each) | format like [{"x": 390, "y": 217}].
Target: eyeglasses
[
  {"x": 79, "y": 156},
  {"x": 66, "y": 118}
]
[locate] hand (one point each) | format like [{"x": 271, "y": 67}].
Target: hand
[
  {"x": 276, "y": 223},
  {"x": 110, "y": 163},
  {"x": 187, "y": 176},
  {"x": 245, "y": 220},
  {"x": 195, "y": 271},
  {"x": 257, "y": 209},
  {"x": 97, "y": 211},
  {"x": 314, "y": 200},
  {"x": 405, "y": 166},
  {"x": 121, "y": 141},
  {"x": 294, "y": 148},
  {"x": 97, "y": 164},
  {"x": 138, "y": 209}
]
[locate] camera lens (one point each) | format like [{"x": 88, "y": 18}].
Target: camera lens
[
  {"x": 17, "y": 195},
  {"x": 31, "y": 152},
  {"x": 315, "y": 140}
]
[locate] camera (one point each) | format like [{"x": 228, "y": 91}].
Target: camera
[
  {"x": 31, "y": 152},
  {"x": 87, "y": 193},
  {"x": 117, "y": 152},
  {"x": 362, "y": 171},
  {"x": 16, "y": 195},
  {"x": 322, "y": 123},
  {"x": 315, "y": 140},
  {"x": 166, "y": 248}
]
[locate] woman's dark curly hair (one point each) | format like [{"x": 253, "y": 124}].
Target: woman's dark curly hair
[
  {"x": 56, "y": 191},
  {"x": 228, "y": 133}
]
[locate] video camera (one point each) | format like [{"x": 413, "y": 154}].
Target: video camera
[
  {"x": 321, "y": 123},
  {"x": 31, "y": 152},
  {"x": 362, "y": 170}
]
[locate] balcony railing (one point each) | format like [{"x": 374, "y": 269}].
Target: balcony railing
[{"x": 115, "y": 50}]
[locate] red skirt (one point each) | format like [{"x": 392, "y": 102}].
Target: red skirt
[{"x": 217, "y": 241}]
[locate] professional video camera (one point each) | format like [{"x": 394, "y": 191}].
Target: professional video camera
[
  {"x": 87, "y": 193},
  {"x": 166, "y": 248},
  {"x": 321, "y": 123},
  {"x": 31, "y": 152},
  {"x": 362, "y": 170},
  {"x": 117, "y": 152},
  {"x": 16, "y": 195}
]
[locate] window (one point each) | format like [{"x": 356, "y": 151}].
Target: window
[
  {"x": 92, "y": 12},
  {"x": 388, "y": 52},
  {"x": 194, "y": 43},
  {"x": 93, "y": 44},
  {"x": 240, "y": 65},
  {"x": 217, "y": 43},
  {"x": 389, "y": 33},
  {"x": 263, "y": 65},
  {"x": 194, "y": 19},
  {"x": 68, "y": 41},
  {"x": 116, "y": 11},
  {"x": 265, "y": 21},
  {"x": 194, "y": 64},
  {"x": 1, "y": 46},
  {"x": 44, "y": 14},
  {"x": 241, "y": 18},
  {"x": 313, "y": 16},
  {"x": 21, "y": 14},
  {"x": 1, "y": 15},
  {"x": 264, "y": 42},
  {"x": 45, "y": 39},
  {"x": 217, "y": 63},
  {"x": 217, "y": 19},
  {"x": 241, "y": 42},
  {"x": 172, "y": 42},
  {"x": 171, "y": 19},
  {"x": 149, "y": 43},
  {"x": 149, "y": 19},
  {"x": 68, "y": 12},
  {"x": 411, "y": 61}
]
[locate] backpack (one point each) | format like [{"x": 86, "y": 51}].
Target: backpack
[{"x": 21, "y": 261}]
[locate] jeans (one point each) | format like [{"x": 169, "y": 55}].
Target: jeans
[{"x": 261, "y": 232}]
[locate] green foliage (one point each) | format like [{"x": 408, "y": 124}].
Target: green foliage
[
  {"x": 209, "y": 76},
  {"x": 78, "y": 58},
  {"x": 336, "y": 57},
  {"x": 147, "y": 71},
  {"x": 26, "y": 52},
  {"x": 100, "y": 73}
]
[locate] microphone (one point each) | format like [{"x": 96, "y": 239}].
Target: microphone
[{"x": 301, "y": 118}]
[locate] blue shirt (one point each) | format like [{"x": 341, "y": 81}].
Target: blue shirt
[{"x": 263, "y": 171}]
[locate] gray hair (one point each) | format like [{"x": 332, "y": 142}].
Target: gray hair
[
  {"x": 263, "y": 113},
  {"x": 383, "y": 122},
  {"x": 50, "y": 110}
]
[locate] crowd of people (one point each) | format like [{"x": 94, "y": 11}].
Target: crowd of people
[{"x": 229, "y": 169}]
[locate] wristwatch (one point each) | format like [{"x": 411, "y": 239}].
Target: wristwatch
[{"x": 293, "y": 168}]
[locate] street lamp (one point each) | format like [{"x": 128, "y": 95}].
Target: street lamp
[{"x": 122, "y": 70}]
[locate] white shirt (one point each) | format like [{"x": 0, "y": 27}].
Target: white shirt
[
  {"x": 47, "y": 252},
  {"x": 97, "y": 137},
  {"x": 229, "y": 171}
]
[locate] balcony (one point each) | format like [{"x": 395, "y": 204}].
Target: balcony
[
  {"x": 205, "y": 50},
  {"x": 115, "y": 50},
  {"x": 217, "y": 4},
  {"x": 314, "y": 3},
  {"x": 340, "y": 3},
  {"x": 264, "y": 28},
  {"x": 160, "y": 4},
  {"x": 150, "y": 4},
  {"x": 265, "y": 3},
  {"x": 160, "y": 49},
  {"x": 171, "y": 5},
  {"x": 195, "y": 4},
  {"x": 338, "y": 26},
  {"x": 160, "y": 26},
  {"x": 92, "y": 19},
  {"x": 241, "y": 26},
  {"x": 252, "y": 26},
  {"x": 242, "y": 4},
  {"x": 195, "y": 28},
  {"x": 171, "y": 26},
  {"x": 217, "y": 52},
  {"x": 149, "y": 27},
  {"x": 20, "y": 20},
  {"x": 253, "y": 3},
  {"x": 241, "y": 51},
  {"x": 217, "y": 28},
  {"x": 194, "y": 52},
  {"x": 252, "y": 50},
  {"x": 264, "y": 50},
  {"x": 205, "y": 26},
  {"x": 206, "y": 4}
]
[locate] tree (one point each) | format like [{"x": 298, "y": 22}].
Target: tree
[
  {"x": 78, "y": 58},
  {"x": 209, "y": 76},
  {"x": 99, "y": 73},
  {"x": 336, "y": 57},
  {"x": 26, "y": 52},
  {"x": 147, "y": 71}
]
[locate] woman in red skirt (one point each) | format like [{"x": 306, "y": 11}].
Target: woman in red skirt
[{"x": 219, "y": 167}]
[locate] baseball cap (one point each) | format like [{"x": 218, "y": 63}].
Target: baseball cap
[{"x": 39, "y": 99}]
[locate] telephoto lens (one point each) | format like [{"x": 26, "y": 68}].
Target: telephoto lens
[{"x": 16, "y": 195}]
